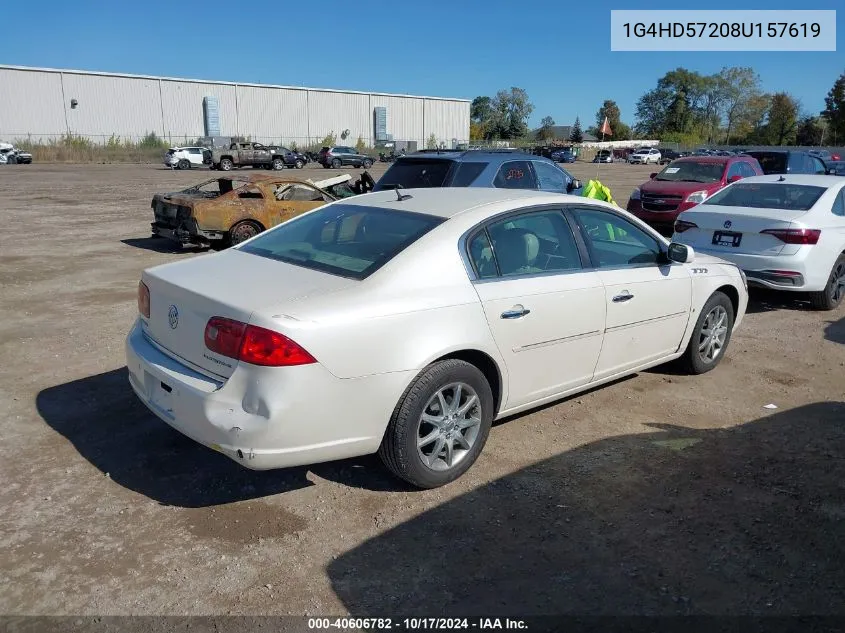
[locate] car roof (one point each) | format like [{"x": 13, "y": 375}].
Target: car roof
[
  {"x": 262, "y": 178},
  {"x": 707, "y": 159},
  {"x": 491, "y": 156},
  {"x": 817, "y": 180},
  {"x": 447, "y": 202}
]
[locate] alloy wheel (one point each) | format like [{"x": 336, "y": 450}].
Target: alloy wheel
[
  {"x": 714, "y": 332},
  {"x": 449, "y": 425}
]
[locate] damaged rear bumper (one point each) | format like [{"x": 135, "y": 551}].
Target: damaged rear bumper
[{"x": 185, "y": 235}]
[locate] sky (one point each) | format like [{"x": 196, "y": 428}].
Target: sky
[{"x": 558, "y": 51}]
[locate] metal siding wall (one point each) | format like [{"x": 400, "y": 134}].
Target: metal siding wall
[
  {"x": 30, "y": 103},
  {"x": 446, "y": 120},
  {"x": 273, "y": 114},
  {"x": 404, "y": 117},
  {"x": 338, "y": 111},
  {"x": 182, "y": 106},
  {"x": 127, "y": 107}
]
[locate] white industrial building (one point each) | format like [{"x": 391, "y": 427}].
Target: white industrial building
[{"x": 47, "y": 103}]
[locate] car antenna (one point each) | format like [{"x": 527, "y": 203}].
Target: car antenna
[
  {"x": 402, "y": 196},
  {"x": 782, "y": 178}
]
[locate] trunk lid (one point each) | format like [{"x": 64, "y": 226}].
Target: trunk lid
[
  {"x": 712, "y": 218},
  {"x": 232, "y": 284}
]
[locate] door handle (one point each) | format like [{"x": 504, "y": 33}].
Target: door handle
[
  {"x": 515, "y": 313},
  {"x": 622, "y": 297}
]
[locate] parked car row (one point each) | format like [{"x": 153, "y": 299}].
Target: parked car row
[{"x": 11, "y": 155}]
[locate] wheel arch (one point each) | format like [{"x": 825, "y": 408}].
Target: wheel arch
[
  {"x": 258, "y": 223},
  {"x": 733, "y": 295},
  {"x": 486, "y": 365}
]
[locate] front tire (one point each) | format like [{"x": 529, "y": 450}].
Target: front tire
[
  {"x": 711, "y": 335},
  {"x": 184, "y": 164},
  {"x": 440, "y": 424},
  {"x": 367, "y": 163},
  {"x": 834, "y": 290},
  {"x": 278, "y": 164},
  {"x": 299, "y": 164}
]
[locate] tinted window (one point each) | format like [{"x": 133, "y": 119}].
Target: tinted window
[
  {"x": 817, "y": 166},
  {"x": 481, "y": 254},
  {"x": 839, "y": 203},
  {"x": 746, "y": 169},
  {"x": 550, "y": 177},
  {"x": 534, "y": 243},
  {"x": 515, "y": 174},
  {"x": 413, "y": 173},
  {"x": 767, "y": 195},
  {"x": 613, "y": 241},
  {"x": 343, "y": 239},
  {"x": 771, "y": 162},
  {"x": 466, "y": 173},
  {"x": 692, "y": 171},
  {"x": 735, "y": 170}
]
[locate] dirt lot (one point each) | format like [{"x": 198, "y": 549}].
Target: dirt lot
[{"x": 660, "y": 494}]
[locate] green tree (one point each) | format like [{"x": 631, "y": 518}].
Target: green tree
[
  {"x": 781, "y": 120},
  {"x": 810, "y": 131},
  {"x": 619, "y": 130},
  {"x": 546, "y": 132},
  {"x": 576, "y": 135},
  {"x": 360, "y": 145},
  {"x": 511, "y": 109},
  {"x": 834, "y": 111},
  {"x": 431, "y": 143},
  {"x": 740, "y": 85}
]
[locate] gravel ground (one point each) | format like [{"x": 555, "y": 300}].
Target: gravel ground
[{"x": 659, "y": 494}]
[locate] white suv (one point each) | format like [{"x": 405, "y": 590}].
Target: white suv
[
  {"x": 645, "y": 155},
  {"x": 187, "y": 157}
]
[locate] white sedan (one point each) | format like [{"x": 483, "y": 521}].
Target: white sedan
[
  {"x": 786, "y": 232},
  {"x": 405, "y": 323}
]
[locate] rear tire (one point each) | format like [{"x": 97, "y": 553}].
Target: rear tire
[
  {"x": 710, "y": 336},
  {"x": 242, "y": 231},
  {"x": 463, "y": 425},
  {"x": 367, "y": 163},
  {"x": 226, "y": 164},
  {"x": 278, "y": 164},
  {"x": 336, "y": 164},
  {"x": 831, "y": 297}
]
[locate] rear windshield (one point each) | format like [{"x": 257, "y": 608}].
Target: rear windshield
[
  {"x": 412, "y": 173},
  {"x": 768, "y": 195},
  {"x": 343, "y": 239},
  {"x": 692, "y": 171},
  {"x": 771, "y": 162}
]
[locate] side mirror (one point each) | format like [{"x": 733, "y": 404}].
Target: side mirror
[
  {"x": 680, "y": 253},
  {"x": 573, "y": 185},
  {"x": 652, "y": 175},
  {"x": 734, "y": 178}
]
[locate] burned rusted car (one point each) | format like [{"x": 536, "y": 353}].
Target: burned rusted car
[{"x": 230, "y": 209}]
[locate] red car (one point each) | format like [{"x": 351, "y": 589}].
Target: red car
[{"x": 684, "y": 183}]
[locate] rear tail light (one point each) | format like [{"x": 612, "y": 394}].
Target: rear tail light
[
  {"x": 143, "y": 299},
  {"x": 683, "y": 225},
  {"x": 253, "y": 344},
  {"x": 795, "y": 236}
]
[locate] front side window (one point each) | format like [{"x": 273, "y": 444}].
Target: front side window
[
  {"x": 550, "y": 177},
  {"x": 515, "y": 174},
  {"x": 347, "y": 240},
  {"x": 735, "y": 170},
  {"x": 768, "y": 195},
  {"x": 534, "y": 243},
  {"x": 613, "y": 241},
  {"x": 817, "y": 166}
]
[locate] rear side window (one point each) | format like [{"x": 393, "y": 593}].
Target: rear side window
[
  {"x": 515, "y": 174},
  {"x": 768, "y": 195},
  {"x": 771, "y": 162},
  {"x": 839, "y": 203},
  {"x": 466, "y": 173},
  {"x": 412, "y": 173},
  {"x": 343, "y": 239}
]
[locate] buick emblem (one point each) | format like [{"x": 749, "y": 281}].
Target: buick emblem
[
  {"x": 727, "y": 224},
  {"x": 173, "y": 317}
]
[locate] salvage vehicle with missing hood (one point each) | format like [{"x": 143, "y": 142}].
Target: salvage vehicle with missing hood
[{"x": 227, "y": 210}]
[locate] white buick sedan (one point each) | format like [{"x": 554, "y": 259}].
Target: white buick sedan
[
  {"x": 786, "y": 232},
  {"x": 405, "y": 322}
]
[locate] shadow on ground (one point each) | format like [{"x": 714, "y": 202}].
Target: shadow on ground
[
  {"x": 104, "y": 420},
  {"x": 835, "y": 331},
  {"x": 748, "y": 520},
  {"x": 161, "y": 245},
  {"x": 765, "y": 300}
]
